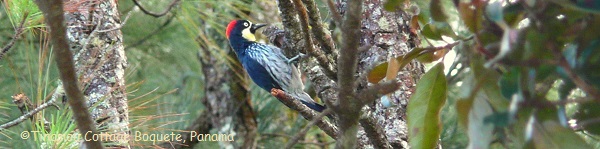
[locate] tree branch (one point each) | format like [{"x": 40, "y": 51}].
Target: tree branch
[
  {"x": 306, "y": 112},
  {"x": 156, "y": 15},
  {"x": 374, "y": 92},
  {"x": 322, "y": 37},
  {"x": 18, "y": 31},
  {"x": 119, "y": 26},
  {"x": 28, "y": 114},
  {"x": 302, "y": 132},
  {"x": 155, "y": 32},
  {"x": 337, "y": 18},
  {"x": 291, "y": 28},
  {"x": 326, "y": 88},
  {"x": 54, "y": 16},
  {"x": 321, "y": 58},
  {"x": 562, "y": 62},
  {"x": 374, "y": 132},
  {"x": 349, "y": 107}
]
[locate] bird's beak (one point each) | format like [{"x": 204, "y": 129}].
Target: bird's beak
[{"x": 256, "y": 27}]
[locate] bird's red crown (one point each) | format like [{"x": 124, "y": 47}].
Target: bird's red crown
[{"x": 230, "y": 27}]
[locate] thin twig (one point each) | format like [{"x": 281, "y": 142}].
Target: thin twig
[
  {"x": 28, "y": 114},
  {"x": 306, "y": 112},
  {"x": 156, "y": 15},
  {"x": 591, "y": 90},
  {"x": 584, "y": 123},
  {"x": 374, "y": 92},
  {"x": 562, "y": 62},
  {"x": 445, "y": 47},
  {"x": 155, "y": 32},
  {"x": 321, "y": 58},
  {"x": 303, "y": 132},
  {"x": 119, "y": 26},
  {"x": 18, "y": 31}
]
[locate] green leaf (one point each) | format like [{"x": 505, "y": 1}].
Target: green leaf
[
  {"x": 429, "y": 57},
  {"x": 379, "y": 72},
  {"x": 509, "y": 83},
  {"x": 588, "y": 112},
  {"x": 392, "y": 5},
  {"x": 436, "y": 30},
  {"x": 466, "y": 97},
  {"x": 497, "y": 119},
  {"x": 489, "y": 81},
  {"x": 445, "y": 29},
  {"x": 550, "y": 135},
  {"x": 431, "y": 32},
  {"x": 580, "y": 5},
  {"x": 471, "y": 17},
  {"x": 423, "y": 111},
  {"x": 437, "y": 12},
  {"x": 513, "y": 14}
]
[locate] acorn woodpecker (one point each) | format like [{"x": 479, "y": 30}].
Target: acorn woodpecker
[{"x": 266, "y": 64}]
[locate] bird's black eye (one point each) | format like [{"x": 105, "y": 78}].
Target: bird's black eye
[{"x": 246, "y": 24}]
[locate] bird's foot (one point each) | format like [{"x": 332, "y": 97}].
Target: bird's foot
[{"x": 296, "y": 58}]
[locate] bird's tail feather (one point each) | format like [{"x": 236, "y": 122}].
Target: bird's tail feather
[
  {"x": 309, "y": 102},
  {"x": 315, "y": 106}
]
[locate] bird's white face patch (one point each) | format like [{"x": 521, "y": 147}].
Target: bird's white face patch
[{"x": 246, "y": 32}]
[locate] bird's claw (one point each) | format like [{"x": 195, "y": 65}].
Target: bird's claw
[{"x": 296, "y": 58}]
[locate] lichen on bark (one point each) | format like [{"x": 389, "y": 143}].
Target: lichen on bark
[{"x": 100, "y": 62}]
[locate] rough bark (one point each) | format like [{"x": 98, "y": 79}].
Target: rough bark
[
  {"x": 227, "y": 104},
  {"x": 389, "y": 34},
  {"x": 227, "y": 108},
  {"x": 95, "y": 38}
]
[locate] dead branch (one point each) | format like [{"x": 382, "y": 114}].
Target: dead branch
[
  {"x": 321, "y": 36},
  {"x": 156, "y": 15},
  {"x": 29, "y": 114},
  {"x": 291, "y": 28},
  {"x": 120, "y": 25},
  {"x": 155, "y": 32},
  {"x": 18, "y": 31},
  {"x": 562, "y": 62},
  {"x": 337, "y": 18},
  {"x": 306, "y": 112},
  {"x": 302, "y": 132},
  {"x": 327, "y": 67}
]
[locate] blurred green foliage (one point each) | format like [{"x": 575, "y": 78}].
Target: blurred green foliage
[{"x": 521, "y": 72}]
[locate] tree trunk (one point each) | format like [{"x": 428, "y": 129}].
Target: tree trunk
[
  {"x": 93, "y": 30},
  {"x": 390, "y": 35}
]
